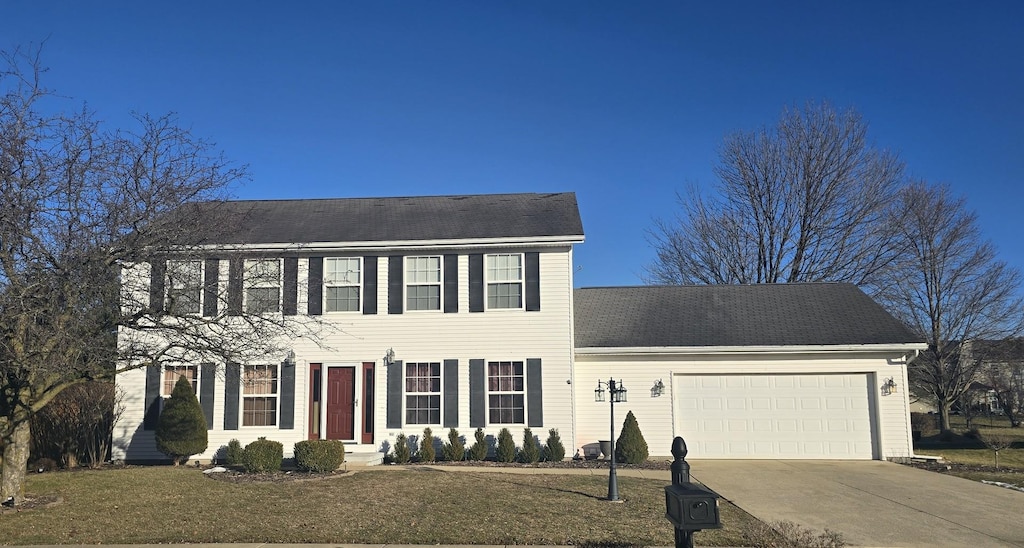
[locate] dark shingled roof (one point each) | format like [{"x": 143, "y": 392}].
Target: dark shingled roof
[
  {"x": 733, "y": 315},
  {"x": 390, "y": 219}
]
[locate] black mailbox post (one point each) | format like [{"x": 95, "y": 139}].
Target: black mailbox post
[{"x": 690, "y": 507}]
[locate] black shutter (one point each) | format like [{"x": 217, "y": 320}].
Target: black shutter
[
  {"x": 315, "y": 306},
  {"x": 476, "y": 282},
  {"x": 287, "y": 421},
  {"x": 477, "y": 404},
  {"x": 290, "y": 307},
  {"x": 153, "y": 380},
  {"x": 232, "y": 380},
  {"x": 211, "y": 287},
  {"x": 370, "y": 285},
  {"x": 534, "y": 394},
  {"x": 533, "y": 281},
  {"x": 207, "y": 381},
  {"x": 157, "y": 274},
  {"x": 395, "y": 395},
  {"x": 451, "y": 283},
  {"x": 451, "y": 393},
  {"x": 236, "y": 271},
  {"x": 395, "y": 292}
]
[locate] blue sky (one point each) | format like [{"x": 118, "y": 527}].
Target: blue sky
[{"x": 623, "y": 103}]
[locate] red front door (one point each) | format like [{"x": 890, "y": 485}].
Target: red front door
[{"x": 341, "y": 391}]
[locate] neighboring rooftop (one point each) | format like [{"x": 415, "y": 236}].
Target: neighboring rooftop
[
  {"x": 484, "y": 216},
  {"x": 733, "y": 315}
]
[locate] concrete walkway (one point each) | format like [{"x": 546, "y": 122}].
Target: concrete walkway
[{"x": 872, "y": 503}]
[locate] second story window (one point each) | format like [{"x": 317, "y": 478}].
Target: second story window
[
  {"x": 341, "y": 281},
  {"x": 505, "y": 280},
  {"x": 184, "y": 286},
  {"x": 173, "y": 372},
  {"x": 262, "y": 286},
  {"x": 423, "y": 283}
]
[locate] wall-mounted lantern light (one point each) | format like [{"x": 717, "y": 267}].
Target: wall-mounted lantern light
[
  {"x": 389, "y": 356},
  {"x": 658, "y": 389},
  {"x": 888, "y": 387}
]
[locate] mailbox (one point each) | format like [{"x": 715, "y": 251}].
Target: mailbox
[
  {"x": 689, "y": 506},
  {"x": 692, "y": 508}
]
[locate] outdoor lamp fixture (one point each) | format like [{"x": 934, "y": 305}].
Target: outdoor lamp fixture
[
  {"x": 616, "y": 394},
  {"x": 389, "y": 356},
  {"x": 888, "y": 387},
  {"x": 658, "y": 389},
  {"x": 289, "y": 358}
]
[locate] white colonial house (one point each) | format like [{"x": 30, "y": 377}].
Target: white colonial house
[{"x": 460, "y": 312}]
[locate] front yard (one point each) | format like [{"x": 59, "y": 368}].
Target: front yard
[
  {"x": 967, "y": 456},
  {"x": 414, "y": 506}
]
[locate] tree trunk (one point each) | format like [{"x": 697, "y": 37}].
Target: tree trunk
[
  {"x": 16, "y": 462},
  {"x": 943, "y": 416}
]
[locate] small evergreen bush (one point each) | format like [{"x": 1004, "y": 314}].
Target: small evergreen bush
[
  {"x": 478, "y": 451},
  {"x": 181, "y": 431},
  {"x": 233, "y": 453},
  {"x": 454, "y": 450},
  {"x": 554, "y": 451},
  {"x": 319, "y": 455},
  {"x": 506, "y": 451},
  {"x": 262, "y": 455},
  {"x": 427, "y": 451},
  {"x": 631, "y": 448},
  {"x": 402, "y": 453},
  {"x": 530, "y": 453}
]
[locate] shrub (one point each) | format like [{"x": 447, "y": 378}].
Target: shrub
[
  {"x": 402, "y": 453},
  {"x": 506, "y": 451},
  {"x": 554, "y": 451},
  {"x": 319, "y": 455},
  {"x": 973, "y": 434},
  {"x": 454, "y": 450},
  {"x": 181, "y": 431},
  {"x": 479, "y": 449},
  {"x": 789, "y": 534},
  {"x": 76, "y": 426},
  {"x": 233, "y": 453},
  {"x": 427, "y": 452},
  {"x": 262, "y": 455},
  {"x": 531, "y": 449},
  {"x": 631, "y": 448}
]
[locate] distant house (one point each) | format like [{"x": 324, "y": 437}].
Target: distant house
[{"x": 459, "y": 312}]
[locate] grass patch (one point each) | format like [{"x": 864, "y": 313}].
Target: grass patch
[
  {"x": 977, "y": 462},
  {"x": 174, "y": 505}
]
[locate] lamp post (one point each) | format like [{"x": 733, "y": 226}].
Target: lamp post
[{"x": 616, "y": 394}]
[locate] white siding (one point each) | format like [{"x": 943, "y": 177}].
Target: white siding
[
  {"x": 354, "y": 338},
  {"x": 657, "y": 415}
]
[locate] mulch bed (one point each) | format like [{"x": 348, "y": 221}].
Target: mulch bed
[
  {"x": 944, "y": 467},
  {"x": 32, "y": 503}
]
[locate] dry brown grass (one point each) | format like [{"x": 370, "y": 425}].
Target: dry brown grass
[{"x": 166, "y": 505}]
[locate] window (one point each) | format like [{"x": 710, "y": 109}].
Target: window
[
  {"x": 173, "y": 372},
  {"x": 184, "y": 286},
  {"x": 505, "y": 280},
  {"x": 505, "y": 394},
  {"x": 342, "y": 279},
  {"x": 423, "y": 283},
  {"x": 263, "y": 286},
  {"x": 423, "y": 393},
  {"x": 259, "y": 395}
]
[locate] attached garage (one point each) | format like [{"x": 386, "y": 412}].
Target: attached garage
[
  {"x": 770, "y": 371},
  {"x": 775, "y": 416}
]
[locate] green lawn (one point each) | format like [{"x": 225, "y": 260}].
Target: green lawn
[{"x": 167, "y": 505}]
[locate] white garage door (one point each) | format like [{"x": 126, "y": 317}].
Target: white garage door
[{"x": 774, "y": 416}]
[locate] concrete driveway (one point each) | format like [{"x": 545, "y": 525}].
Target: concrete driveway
[{"x": 872, "y": 503}]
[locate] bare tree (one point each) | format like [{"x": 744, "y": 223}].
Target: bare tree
[
  {"x": 1002, "y": 371},
  {"x": 997, "y": 443},
  {"x": 806, "y": 200},
  {"x": 84, "y": 212},
  {"x": 950, "y": 287}
]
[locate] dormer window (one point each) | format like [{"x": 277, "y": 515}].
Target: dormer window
[{"x": 262, "y": 286}]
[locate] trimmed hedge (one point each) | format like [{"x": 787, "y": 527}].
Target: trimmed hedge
[
  {"x": 554, "y": 451},
  {"x": 401, "y": 448},
  {"x": 181, "y": 431},
  {"x": 262, "y": 455},
  {"x": 233, "y": 453},
  {"x": 454, "y": 450},
  {"x": 427, "y": 452},
  {"x": 530, "y": 452},
  {"x": 478, "y": 451},
  {"x": 631, "y": 448},
  {"x": 319, "y": 455}
]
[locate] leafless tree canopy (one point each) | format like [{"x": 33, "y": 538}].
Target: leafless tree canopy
[
  {"x": 806, "y": 200},
  {"x": 948, "y": 285},
  {"x": 83, "y": 209}
]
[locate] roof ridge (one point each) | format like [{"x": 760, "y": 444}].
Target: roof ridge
[{"x": 418, "y": 197}]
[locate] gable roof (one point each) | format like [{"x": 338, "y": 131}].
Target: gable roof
[
  {"x": 469, "y": 217},
  {"x": 805, "y": 314}
]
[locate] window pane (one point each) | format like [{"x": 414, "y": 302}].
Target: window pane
[
  {"x": 423, "y": 297},
  {"x": 263, "y": 271},
  {"x": 341, "y": 271},
  {"x": 504, "y": 295},
  {"x": 183, "y": 300},
  {"x": 171, "y": 374},
  {"x": 262, "y": 300},
  {"x": 259, "y": 411},
  {"x": 343, "y": 299}
]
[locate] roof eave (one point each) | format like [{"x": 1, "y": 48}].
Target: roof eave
[
  {"x": 902, "y": 348},
  {"x": 529, "y": 241}
]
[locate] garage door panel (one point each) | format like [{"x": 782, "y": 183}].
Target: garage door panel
[{"x": 775, "y": 416}]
